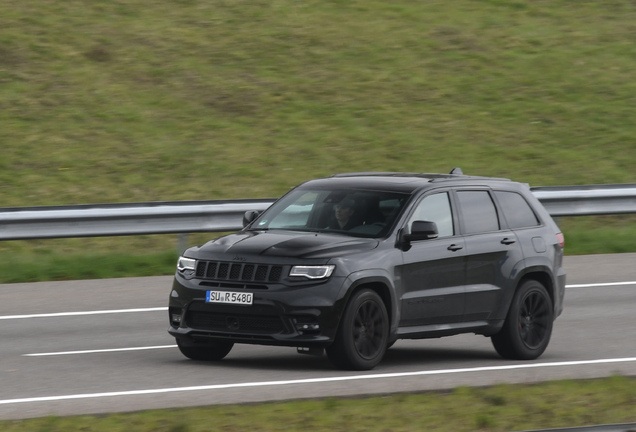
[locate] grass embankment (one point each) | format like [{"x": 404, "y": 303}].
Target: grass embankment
[
  {"x": 501, "y": 408},
  {"x": 125, "y": 101}
]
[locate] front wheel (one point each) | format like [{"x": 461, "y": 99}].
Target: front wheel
[
  {"x": 363, "y": 333},
  {"x": 208, "y": 351},
  {"x": 526, "y": 332}
]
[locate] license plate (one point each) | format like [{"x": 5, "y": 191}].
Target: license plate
[{"x": 229, "y": 297}]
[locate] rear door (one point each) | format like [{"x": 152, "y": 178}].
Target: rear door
[
  {"x": 492, "y": 251},
  {"x": 521, "y": 218}
]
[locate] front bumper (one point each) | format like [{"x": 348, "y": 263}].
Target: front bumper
[{"x": 284, "y": 315}]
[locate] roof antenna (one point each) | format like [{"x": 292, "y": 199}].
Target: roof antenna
[{"x": 457, "y": 171}]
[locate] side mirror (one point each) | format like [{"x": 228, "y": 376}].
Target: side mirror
[
  {"x": 249, "y": 217},
  {"x": 422, "y": 230}
]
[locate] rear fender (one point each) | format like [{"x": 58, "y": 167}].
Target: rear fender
[{"x": 538, "y": 271}]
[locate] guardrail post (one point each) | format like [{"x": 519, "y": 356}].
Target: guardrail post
[{"x": 182, "y": 243}]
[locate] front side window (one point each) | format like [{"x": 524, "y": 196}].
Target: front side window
[
  {"x": 435, "y": 208},
  {"x": 478, "y": 212},
  {"x": 358, "y": 213}
]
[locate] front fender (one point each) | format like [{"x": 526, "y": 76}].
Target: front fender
[{"x": 379, "y": 280}]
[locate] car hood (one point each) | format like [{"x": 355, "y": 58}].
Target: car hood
[{"x": 286, "y": 244}]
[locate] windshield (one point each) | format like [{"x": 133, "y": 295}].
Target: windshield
[{"x": 354, "y": 212}]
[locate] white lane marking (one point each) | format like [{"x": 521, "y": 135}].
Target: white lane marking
[
  {"x": 98, "y": 312},
  {"x": 98, "y": 351},
  {"x": 600, "y": 284},
  {"x": 313, "y": 380}
]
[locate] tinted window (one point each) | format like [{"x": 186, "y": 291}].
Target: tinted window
[
  {"x": 478, "y": 212},
  {"x": 354, "y": 212},
  {"x": 516, "y": 209},
  {"x": 295, "y": 215},
  {"x": 435, "y": 208}
]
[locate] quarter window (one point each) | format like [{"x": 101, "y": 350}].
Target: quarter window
[
  {"x": 518, "y": 212},
  {"x": 478, "y": 212}
]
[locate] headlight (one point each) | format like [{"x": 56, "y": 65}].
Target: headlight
[
  {"x": 186, "y": 264},
  {"x": 312, "y": 272}
]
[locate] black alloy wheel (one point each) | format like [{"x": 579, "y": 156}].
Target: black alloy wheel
[
  {"x": 528, "y": 327},
  {"x": 534, "y": 319},
  {"x": 363, "y": 333}
]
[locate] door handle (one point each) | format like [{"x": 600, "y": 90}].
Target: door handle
[
  {"x": 508, "y": 241},
  {"x": 455, "y": 247}
]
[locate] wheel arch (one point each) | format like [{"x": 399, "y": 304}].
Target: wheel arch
[
  {"x": 541, "y": 275},
  {"x": 383, "y": 286}
]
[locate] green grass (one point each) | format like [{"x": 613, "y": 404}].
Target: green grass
[
  {"x": 128, "y": 101},
  {"x": 501, "y": 408},
  {"x": 37, "y": 267},
  {"x": 599, "y": 234}
]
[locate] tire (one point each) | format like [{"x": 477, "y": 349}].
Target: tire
[
  {"x": 209, "y": 351},
  {"x": 362, "y": 336},
  {"x": 526, "y": 332}
]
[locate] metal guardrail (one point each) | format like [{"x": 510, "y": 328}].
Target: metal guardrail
[
  {"x": 22, "y": 223},
  {"x": 588, "y": 200}
]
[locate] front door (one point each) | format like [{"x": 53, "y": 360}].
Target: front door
[{"x": 433, "y": 271}]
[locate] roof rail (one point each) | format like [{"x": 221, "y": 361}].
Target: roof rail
[
  {"x": 393, "y": 174},
  {"x": 384, "y": 174}
]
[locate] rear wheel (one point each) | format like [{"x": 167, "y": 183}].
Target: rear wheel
[
  {"x": 208, "y": 351},
  {"x": 362, "y": 337},
  {"x": 528, "y": 327}
]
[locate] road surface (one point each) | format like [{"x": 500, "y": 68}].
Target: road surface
[{"x": 98, "y": 346}]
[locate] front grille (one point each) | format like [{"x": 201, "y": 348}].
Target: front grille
[
  {"x": 240, "y": 272},
  {"x": 234, "y": 322}
]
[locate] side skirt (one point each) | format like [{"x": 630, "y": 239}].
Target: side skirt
[{"x": 486, "y": 328}]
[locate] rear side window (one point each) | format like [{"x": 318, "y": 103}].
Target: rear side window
[
  {"x": 518, "y": 212},
  {"x": 478, "y": 212}
]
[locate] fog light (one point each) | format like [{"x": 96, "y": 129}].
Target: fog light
[
  {"x": 306, "y": 325},
  {"x": 176, "y": 319}
]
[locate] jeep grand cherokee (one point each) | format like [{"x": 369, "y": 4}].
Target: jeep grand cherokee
[{"x": 351, "y": 263}]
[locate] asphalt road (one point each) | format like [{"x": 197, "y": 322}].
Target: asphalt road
[{"x": 101, "y": 346}]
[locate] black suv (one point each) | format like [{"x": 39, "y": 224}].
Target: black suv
[{"x": 351, "y": 263}]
